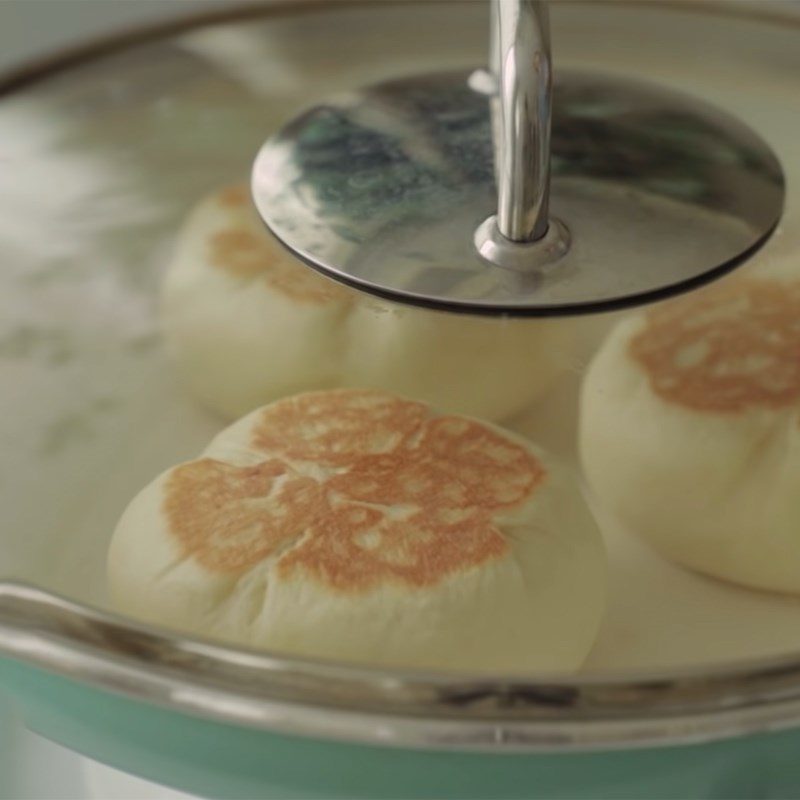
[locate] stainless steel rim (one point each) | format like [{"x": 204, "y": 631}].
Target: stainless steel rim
[
  {"x": 406, "y": 709},
  {"x": 348, "y": 703}
]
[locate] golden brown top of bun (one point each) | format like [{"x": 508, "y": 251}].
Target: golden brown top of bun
[
  {"x": 728, "y": 349},
  {"x": 250, "y": 251},
  {"x": 358, "y": 488}
]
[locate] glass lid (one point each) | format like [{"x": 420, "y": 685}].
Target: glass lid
[{"x": 236, "y": 488}]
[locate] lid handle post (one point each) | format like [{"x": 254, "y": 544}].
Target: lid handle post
[
  {"x": 521, "y": 236},
  {"x": 520, "y": 48}
]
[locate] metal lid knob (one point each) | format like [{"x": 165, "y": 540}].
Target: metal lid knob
[
  {"x": 454, "y": 193},
  {"x": 520, "y": 235}
]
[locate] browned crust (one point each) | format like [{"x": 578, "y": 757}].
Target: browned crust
[
  {"x": 728, "y": 349},
  {"x": 397, "y": 497}
]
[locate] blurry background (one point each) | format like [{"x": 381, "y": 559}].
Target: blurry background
[{"x": 32, "y": 28}]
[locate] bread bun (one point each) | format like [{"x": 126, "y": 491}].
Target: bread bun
[
  {"x": 356, "y": 525},
  {"x": 248, "y": 324},
  {"x": 690, "y": 429}
]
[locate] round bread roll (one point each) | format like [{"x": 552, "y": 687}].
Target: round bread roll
[
  {"x": 249, "y": 324},
  {"x": 355, "y": 525},
  {"x": 690, "y": 430}
]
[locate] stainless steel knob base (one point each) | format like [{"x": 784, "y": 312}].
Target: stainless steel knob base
[
  {"x": 524, "y": 257},
  {"x": 383, "y": 189}
]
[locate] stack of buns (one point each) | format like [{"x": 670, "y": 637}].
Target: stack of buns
[{"x": 351, "y": 523}]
